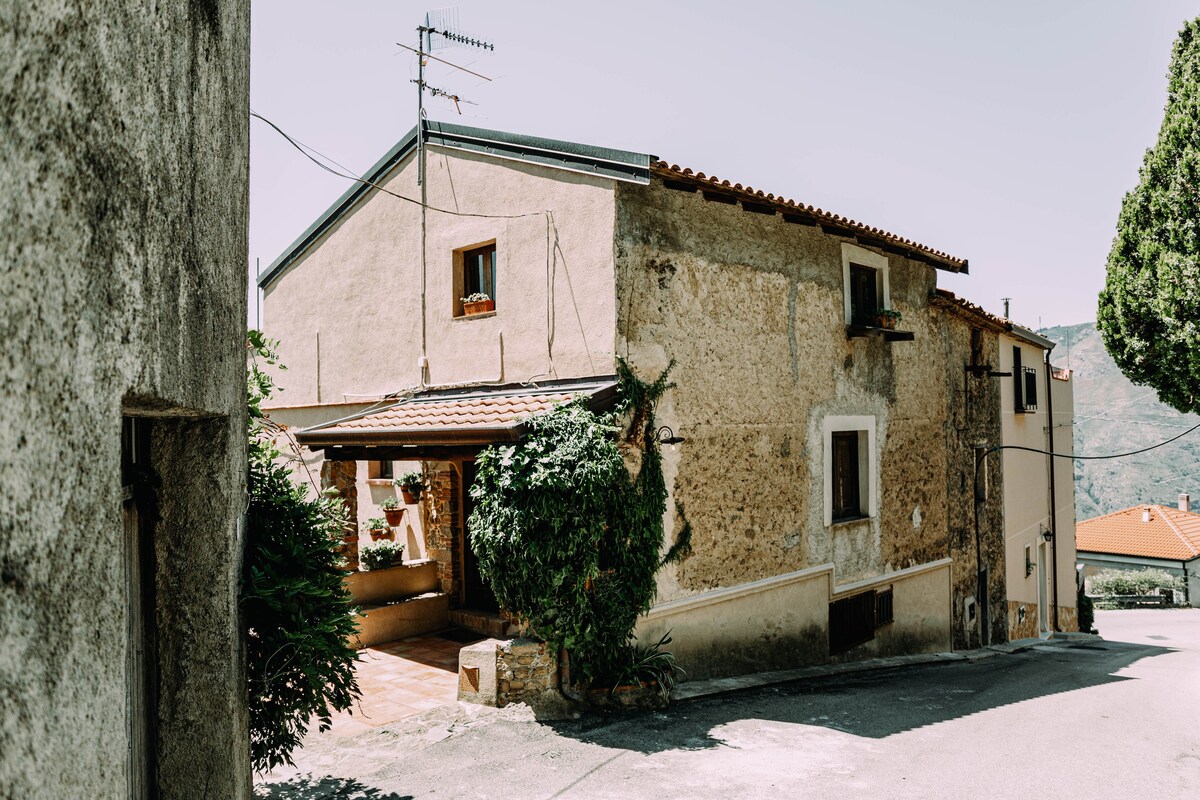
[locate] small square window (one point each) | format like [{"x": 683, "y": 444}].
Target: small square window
[
  {"x": 380, "y": 470},
  {"x": 475, "y": 281}
]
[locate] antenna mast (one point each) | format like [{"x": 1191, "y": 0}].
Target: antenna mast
[{"x": 440, "y": 31}]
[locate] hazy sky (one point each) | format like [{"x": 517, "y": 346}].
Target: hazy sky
[{"x": 1002, "y": 132}]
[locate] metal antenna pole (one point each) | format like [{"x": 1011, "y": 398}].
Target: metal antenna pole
[{"x": 422, "y": 38}]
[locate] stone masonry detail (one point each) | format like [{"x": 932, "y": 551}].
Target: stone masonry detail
[
  {"x": 440, "y": 512},
  {"x": 525, "y": 670}
]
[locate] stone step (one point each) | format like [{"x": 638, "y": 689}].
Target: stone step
[
  {"x": 399, "y": 619},
  {"x": 488, "y": 623}
]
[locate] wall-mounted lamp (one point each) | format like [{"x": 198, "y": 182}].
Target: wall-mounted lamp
[
  {"x": 667, "y": 436},
  {"x": 1047, "y": 534}
]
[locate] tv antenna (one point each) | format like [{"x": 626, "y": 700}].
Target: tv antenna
[{"x": 440, "y": 31}]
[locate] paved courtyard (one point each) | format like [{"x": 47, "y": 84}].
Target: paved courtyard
[
  {"x": 403, "y": 678},
  {"x": 1115, "y": 718}
]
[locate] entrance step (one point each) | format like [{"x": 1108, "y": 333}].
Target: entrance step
[
  {"x": 399, "y": 619},
  {"x": 488, "y": 623}
]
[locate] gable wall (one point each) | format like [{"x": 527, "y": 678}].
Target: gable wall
[{"x": 357, "y": 291}]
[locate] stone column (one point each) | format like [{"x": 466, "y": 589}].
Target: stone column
[
  {"x": 342, "y": 477},
  {"x": 440, "y": 518}
]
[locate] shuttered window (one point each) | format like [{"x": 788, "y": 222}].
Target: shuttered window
[{"x": 846, "y": 497}]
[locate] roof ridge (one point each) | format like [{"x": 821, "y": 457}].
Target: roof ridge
[{"x": 1175, "y": 529}]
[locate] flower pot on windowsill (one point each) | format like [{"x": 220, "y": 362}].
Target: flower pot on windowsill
[
  {"x": 395, "y": 516},
  {"x": 478, "y": 306},
  {"x": 886, "y": 321}
]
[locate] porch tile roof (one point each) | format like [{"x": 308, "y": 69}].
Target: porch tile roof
[
  {"x": 477, "y": 415},
  {"x": 1170, "y": 534}
]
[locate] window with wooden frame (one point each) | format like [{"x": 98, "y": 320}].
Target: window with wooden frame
[
  {"x": 475, "y": 280},
  {"x": 864, "y": 295},
  {"x": 847, "y": 502},
  {"x": 380, "y": 470}
]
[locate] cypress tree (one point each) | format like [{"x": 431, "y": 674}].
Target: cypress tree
[{"x": 1149, "y": 312}]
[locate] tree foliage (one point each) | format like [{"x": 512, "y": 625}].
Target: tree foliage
[
  {"x": 297, "y": 610},
  {"x": 1149, "y": 312},
  {"x": 567, "y": 537}
]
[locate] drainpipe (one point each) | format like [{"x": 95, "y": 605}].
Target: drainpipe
[{"x": 1053, "y": 503}]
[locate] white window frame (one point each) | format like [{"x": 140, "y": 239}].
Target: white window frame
[
  {"x": 867, "y": 472},
  {"x": 853, "y": 254}
]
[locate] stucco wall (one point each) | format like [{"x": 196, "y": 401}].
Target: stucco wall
[
  {"x": 123, "y": 174},
  {"x": 1027, "y": 484},
  {"x": 358, "y": 292},
  {"x": 751, "y": 308}
]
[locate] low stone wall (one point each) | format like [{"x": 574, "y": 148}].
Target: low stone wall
[
  {"x": 393, "y": 583},
  {"x": 500, "y": 672}
]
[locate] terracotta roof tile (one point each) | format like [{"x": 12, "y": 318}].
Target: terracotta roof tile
[
  {"x": 676, "y": 173},
  {"x": 1170, "y": 534},
  {"x": 477, "y": 412}
]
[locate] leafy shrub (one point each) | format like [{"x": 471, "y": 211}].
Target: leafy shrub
[
  {"x": 297, "y": 610},
  {"x": 379, "y": 555},
  {"x": 1132, "y": 582},
  {"x": 1086, "y": 611},
  {"x": 567, "y": 538},
  {"x": 390, "y": 504},
  {"x": 652, "y": 664}
]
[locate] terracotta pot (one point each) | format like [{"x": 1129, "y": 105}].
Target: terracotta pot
[
  {"x": 410, "y": 496},
  {"x": 376, "y": 535},
  {"x": 394, "y": 516},
  {"x": 887, "y": 323},
  {"x": 478, "y": 307}
]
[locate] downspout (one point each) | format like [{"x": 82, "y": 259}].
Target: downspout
[
  {"x": 1053, "y": 503},
  {"x": 1187, "y": 594}
]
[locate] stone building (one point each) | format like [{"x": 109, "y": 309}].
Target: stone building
[
  {"x": 123, "y": 194},
  {"x": 826, "y": 462}
]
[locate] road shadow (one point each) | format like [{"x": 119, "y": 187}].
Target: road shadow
[
  {"x": 308, "y": 787},
  {"x": 874, "y": 704}
]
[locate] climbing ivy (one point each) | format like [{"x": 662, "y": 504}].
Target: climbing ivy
[
  {"x": 568, "y": 537},
  {"x": 296, "y": 609}
]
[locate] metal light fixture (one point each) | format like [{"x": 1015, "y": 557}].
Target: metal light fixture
[
  {"x": 1047, "y": 534},
  {"x": 667, "y": 436}
]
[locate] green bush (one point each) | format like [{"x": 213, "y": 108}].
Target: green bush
[
  {"x": 411, "y": 482},
  {"x": 297, "y": 610},
  {"x": 1125, "y": 582},
  {"x": 567, "y": 537},
  {"x": 390, "y": 504},
  {"x": 1086, "y": 612},
  {"x": 379, "y": 555}
]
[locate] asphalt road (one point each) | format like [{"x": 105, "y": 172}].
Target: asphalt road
[{"x": 1118, "y": 718}]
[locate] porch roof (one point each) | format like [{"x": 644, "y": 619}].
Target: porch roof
[{"x": 470, "y": 417}]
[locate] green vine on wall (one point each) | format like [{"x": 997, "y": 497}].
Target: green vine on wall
[{"x": 567, "y": 537}]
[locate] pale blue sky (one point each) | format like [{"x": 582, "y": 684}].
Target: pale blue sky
[{"x": 1005, "y": 133}]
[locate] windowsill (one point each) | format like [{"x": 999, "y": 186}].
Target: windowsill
[
  {"x": 854, "y": 331},
  {"x": 379, "y": 481},
  {"x": 849, "y": 521},
  {"x": 481, "y": 315}
]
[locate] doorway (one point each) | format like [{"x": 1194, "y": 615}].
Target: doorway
[
  {"x": 477, "y": 594},
  {"x": 1043, "y": 595},
  {"x": 137, "y": 507}
]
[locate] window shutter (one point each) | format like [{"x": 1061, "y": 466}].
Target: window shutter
[
  {"x": 1018, "y": 395},
  {"x": 1030, "y": 387}
]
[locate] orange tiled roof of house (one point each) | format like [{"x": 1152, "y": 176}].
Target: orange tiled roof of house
[
  {"x": 484, "y": 412},
  {"x": 1170, "y": 534}
]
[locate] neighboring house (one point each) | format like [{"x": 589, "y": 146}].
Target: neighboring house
[
  {"x": 827, "y": 464},
  {"x": 123, "y": 190},
  {"x": 1145, "y": 536},
  {"x": 1037, "y": 411}
]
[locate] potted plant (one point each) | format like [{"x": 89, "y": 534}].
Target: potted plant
[
  {"x": 378, "y": 528},
  {"x": 380, "y": 555},
  {"x": 888, "y": 318},
  {"x": 393, "y": 511},
  {"x": 645, "y": 681},
  {"x": 410, "y": 484},
  {"x": 478, "y": 303}
]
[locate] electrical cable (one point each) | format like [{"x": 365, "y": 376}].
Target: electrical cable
[
  {"x": 304, "y": 150},
  {"x": 1086, "y": 458}
]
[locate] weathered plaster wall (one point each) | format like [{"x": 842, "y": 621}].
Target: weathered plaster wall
[
  {"x": 123, "y": 199},
  {"x": 359, "y": 289},
  {"x": 752, "y": 309},
  {"x": 1027, "y": 483},
  {"x": 974, "y": 422}
]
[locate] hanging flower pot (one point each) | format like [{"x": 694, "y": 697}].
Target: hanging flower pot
[
  {"x": 393, "y": 511},
  {"x": 410, "y": 484}
]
